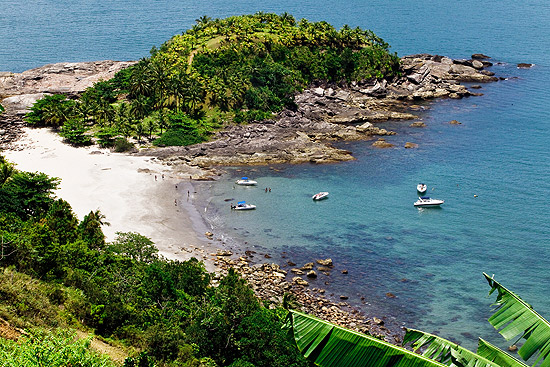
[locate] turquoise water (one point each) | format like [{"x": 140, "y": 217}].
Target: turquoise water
[{"x": 431, "y": 260}]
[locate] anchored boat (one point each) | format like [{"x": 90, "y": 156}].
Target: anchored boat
[
  {"x": 320, "y": 196},
  {"x": 421, "y": 188},
  {"x": 244, "y": 181},
  {"x": 242, "y": 205},
  {"x": 425, "y": 201}
]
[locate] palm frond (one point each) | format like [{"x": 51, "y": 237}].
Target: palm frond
[
  {"x": 329, "y": 345},
  {"x": 497, "y": 355},
  {"x": 514, "y": 317},
  {"x": 444, "y": 351}
]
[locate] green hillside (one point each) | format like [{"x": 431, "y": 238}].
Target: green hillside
[{"x": 233, "y": 70}]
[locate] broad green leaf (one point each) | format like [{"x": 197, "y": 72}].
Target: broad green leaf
[
  {"x": 497, "y": 355},
  {"x": 329, "y": 345},
  {"x": 514, "y": 317},
  {"x": 444, "y": 351}
]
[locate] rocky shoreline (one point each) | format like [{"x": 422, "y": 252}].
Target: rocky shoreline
[
  {"x": 325, "y": 112},
  {"x": 276, "y": 286},
  {"x": 332, "y": 112}
]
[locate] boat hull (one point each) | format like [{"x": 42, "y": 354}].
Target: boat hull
[
  {"x": 320, "y": 196},
  {"x": 246, "y": 183},
  {"x": 431, "y": 203},
  {"x": 250, "y": 207}
]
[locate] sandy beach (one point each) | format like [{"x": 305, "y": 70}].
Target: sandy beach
[{"x": 134, "y": 193}]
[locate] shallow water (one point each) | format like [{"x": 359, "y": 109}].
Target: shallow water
[{"x": 431, "y": 260}]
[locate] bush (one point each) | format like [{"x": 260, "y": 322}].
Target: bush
[
  {"x": 123, "y": 145},
  {"x": 182, "y": 131},
  {"x": 106, "y": 137},
  {"x": 52, "y": 349},
  {"x": 74, "y": 133}
]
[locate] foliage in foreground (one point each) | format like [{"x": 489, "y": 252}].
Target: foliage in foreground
[
  {"x": 124, "y": 289},
  {"x": 239, "y": 69},
  {"x": 329, "y": 345},
  {"x": 53, "y": 349}
]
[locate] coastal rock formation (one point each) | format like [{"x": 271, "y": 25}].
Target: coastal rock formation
[
  {"x": 324, "y": 112},
  {"x": 329, "y": 112},
  {"x": 70, "y": 78},
  {"x": 19, "y": 91},
  {"x": 382, "y": 143},
  {"x": 270, "y": 283}
]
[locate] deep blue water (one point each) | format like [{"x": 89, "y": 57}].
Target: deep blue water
[{"x": 432, "y": 260}]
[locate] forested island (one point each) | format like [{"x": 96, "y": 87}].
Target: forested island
[{"x": 219, "y": 80}]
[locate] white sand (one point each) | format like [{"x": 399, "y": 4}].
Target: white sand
[{"x": 123, "y": 188}]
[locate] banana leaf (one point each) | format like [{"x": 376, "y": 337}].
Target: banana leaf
[
  {"x": 497, "y": 355},
  {"x": 444, "y": 351},
  {"x": 514, "y": 317},
  {"x": 329, "y": 345}
]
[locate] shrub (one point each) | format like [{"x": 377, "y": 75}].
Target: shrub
[
  {"x": 52, "y": 349},
  {"x": 123, "y": 145},
  {"x": 74, "y": 133},
  {"x": 182, "y": 131}
]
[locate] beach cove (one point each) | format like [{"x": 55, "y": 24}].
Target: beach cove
[
  {"x": 351, "y": 113},
  {"x": 498, "y": 153}
]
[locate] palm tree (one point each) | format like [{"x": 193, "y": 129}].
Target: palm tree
[
  {"x": 329, "y": 345},
  {"x": 140, "y": 130},
  {"x": 163, "y": 121},
  {"x": 140, "y": 82},
  {"x": 194, "y": 94},
  {"x": 203, "y": 20},
  {"x": 140, "y": 107}
]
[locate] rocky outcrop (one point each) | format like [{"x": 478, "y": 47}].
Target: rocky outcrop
[
  {"x": 271, "y": 284},
  {"x": 70, "y": 78},
  {"x": 19, "y": 91},
  {"x": 328, "y": 112},
  {"x": 324, "y": 112},
  {"x": 382, "y": 143}
]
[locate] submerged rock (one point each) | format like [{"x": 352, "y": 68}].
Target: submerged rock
[
  {"x": 382, "y": 143},
  {"x": 418, "y": 124},
  {"x": 326, "y": 262}
]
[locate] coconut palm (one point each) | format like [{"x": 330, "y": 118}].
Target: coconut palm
[{"x": 333, "y": 346}]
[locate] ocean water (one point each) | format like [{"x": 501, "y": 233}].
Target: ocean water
[{"x": 492, "y": 171}]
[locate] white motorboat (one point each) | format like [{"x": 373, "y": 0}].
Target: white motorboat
[
  {"x": 245, "y": 181},
  {"x": 320, "y": 196},
  {"x": 425, "y": 201},
  {"x": 242, "y": 205},
  {"x": 421, "y": 188}
]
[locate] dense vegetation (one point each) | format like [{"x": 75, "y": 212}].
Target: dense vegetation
[
  {"x": 58, "y": 271},
  {"x": 238, "y": 69}
]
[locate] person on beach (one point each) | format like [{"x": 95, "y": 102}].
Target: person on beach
[{"x": 155, "y": 177}]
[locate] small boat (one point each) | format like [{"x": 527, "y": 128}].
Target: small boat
[
  {"x": 320, "y": 196},
  {"x": 242, "y": 205},
  {"x": 425, "y": 201},
  {"x": 421, "y": 188},
  {"x": 246, "y": 182}
]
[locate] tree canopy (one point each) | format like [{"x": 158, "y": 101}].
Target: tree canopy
[{"x": 238, "y": 69}]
